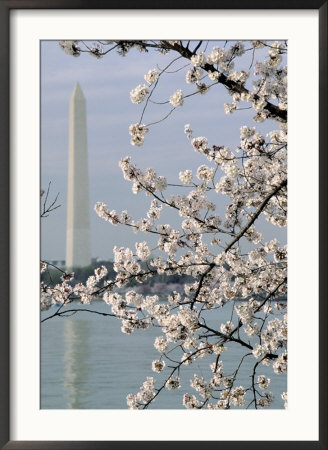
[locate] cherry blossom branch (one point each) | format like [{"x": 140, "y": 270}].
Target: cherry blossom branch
[
  {"x": 47, "y": 209},
  {"x": 274, "y": 110},
  {"x": 256, "y": 214},
  {"x": 69, "y": 312}
]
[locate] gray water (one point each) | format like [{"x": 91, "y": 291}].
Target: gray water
[{"x": 88, "y": 363}]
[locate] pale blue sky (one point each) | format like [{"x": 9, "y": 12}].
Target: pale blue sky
[{"x": 106, "y": 84}]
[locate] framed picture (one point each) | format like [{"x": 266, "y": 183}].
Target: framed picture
[{"x": 213, "y": 257}]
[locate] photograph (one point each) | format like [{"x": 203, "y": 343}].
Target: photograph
[{"x": 163, "y": 221}]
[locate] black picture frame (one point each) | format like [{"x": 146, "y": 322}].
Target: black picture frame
[{"x": 5, "y": 9}]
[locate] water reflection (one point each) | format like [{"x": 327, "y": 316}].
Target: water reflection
[{"x": 76, "y": 367}]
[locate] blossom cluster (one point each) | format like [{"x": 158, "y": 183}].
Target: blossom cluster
[
  {"x": 138, "y": 94},
  {"x": 70, "y": 47},
  {"x": 151, "y": 76},
  {"x": 177, "y": 98},
  {"x": 64, "y": 293},
  {"x": 137, "y": 132}
]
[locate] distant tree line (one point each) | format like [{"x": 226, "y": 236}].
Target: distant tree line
[{"x": 53, "y": 275}]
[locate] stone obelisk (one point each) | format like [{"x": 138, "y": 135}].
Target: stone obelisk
[{"x": 78, "y": 216}]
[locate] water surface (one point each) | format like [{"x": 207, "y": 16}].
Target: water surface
[{"x": 88, "y": 363}]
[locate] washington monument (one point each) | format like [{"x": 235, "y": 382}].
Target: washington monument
[{"x": 78, "y": 252}]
